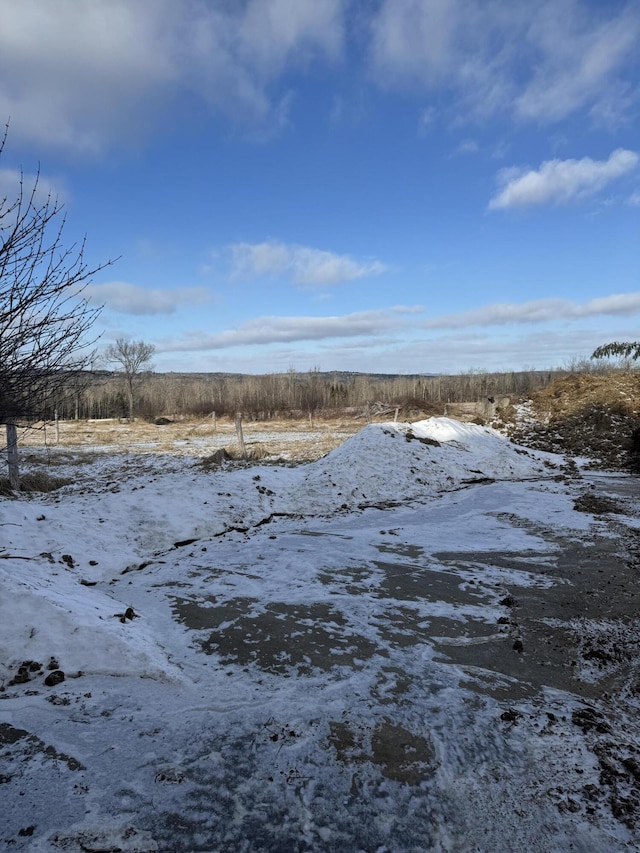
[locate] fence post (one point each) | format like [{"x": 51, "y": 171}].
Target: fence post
[
  {"x": 243, "y": 449},
  {"x": 12, "y": 455}
]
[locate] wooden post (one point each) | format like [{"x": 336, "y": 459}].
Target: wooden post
[
  {"x": 12, "y": 455},
  {"x": 215, "y": 424},
  {"x": 395, "y": 417},
  {"x": 243, "y": 449},
  {"x": 57, "y": 420}
]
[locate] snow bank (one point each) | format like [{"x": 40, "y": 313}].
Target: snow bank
[
  {"x": 63, "y": 551},
  {"x": 395, "y": 463},
  {"x": 147, "y": 512},
  {"x": 46, "y": 613}
]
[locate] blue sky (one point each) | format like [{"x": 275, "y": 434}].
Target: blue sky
[{"x": 374, "y": 185}]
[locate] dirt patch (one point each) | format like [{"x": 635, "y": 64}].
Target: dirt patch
[
  {"x": 401, "y": 755},
  {"x": 541, "y": 638},
  {"x": 29, "y": 746},
  {"x": 589, "y": 415},
  {"x": 279, "y": 638},
  {"x": 597, "y": 504}
]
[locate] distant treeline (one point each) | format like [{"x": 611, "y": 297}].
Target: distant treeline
[{"x": 291, "y": 394}]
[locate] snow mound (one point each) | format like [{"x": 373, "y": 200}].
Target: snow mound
[{"x": 393, "y": 463}]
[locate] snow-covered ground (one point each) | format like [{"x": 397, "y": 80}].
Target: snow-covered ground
[{"x": 404, "y": 646}]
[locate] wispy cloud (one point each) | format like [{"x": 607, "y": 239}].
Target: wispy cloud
[
  {"x": 580, "y": 61},
  {"x": 539, "y": 311},
  {"x": 453, "y": 352},
  {"x": 279, "y": 330},
  {"x": 538, "y": 61},
  {"x": 68, "y": 79},
  {"x": 87, "y": 75},
  {"x": 561, "y": 181},
  {"x": 468, "y": 146},
  {"x": 302, "y": 265},
  {"x": 126, "y": 298}
]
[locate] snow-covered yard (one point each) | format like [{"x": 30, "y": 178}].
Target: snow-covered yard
[{"x": 414, "y": 643}]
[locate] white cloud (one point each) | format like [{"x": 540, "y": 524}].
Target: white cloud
[
  {"x": 274, "y": 31},
  {"x": 462, "y": 352},
  {"x": 412, "y": 40},
  {"x": 580, "y": 58},
  {"x": 126, "y": 298},
  {"x": 634, "y": 199},
  {"x": 538, "y": 61},
  {"x": 232, "y": 52},
  {"x": 279, "y": 330},
  {"x": 540, "y": 311},
  {"x": 561, "y": 181},
  {"x": 304, "y": 266},
  {"x": 74, "y": 73},
  {"x": 86, "y": 75},
  {"x": 442, "y": 353}
]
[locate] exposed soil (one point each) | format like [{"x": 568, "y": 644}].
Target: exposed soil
[{"x": 586, "y": 415}]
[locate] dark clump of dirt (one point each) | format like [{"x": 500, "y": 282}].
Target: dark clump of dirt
[
  {"x": 588, "y": 718},
  {"x": 597, "y": 504},
  {"x": 410, "y": 436},
  {"x": 26, "y": 745}
]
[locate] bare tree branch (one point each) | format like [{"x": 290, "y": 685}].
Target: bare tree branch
[{"x": 45, "y": 320}]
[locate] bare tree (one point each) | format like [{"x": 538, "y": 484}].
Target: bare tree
[
  {"x": 44, "y": 318},
  {"x": 131, "y": 356}
]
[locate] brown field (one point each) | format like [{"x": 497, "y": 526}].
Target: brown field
[
  {"x": 288, "y": 440},
  {"x": 298, "y": 440}
]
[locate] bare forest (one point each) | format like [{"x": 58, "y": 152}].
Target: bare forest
[{"x": 284, "y": 395}]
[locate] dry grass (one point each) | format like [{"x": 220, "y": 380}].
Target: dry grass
[
  {"x": 196, "y": 437},
  {"x": 288, "y": 440},
  {"x": 34, "y": 481}
]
